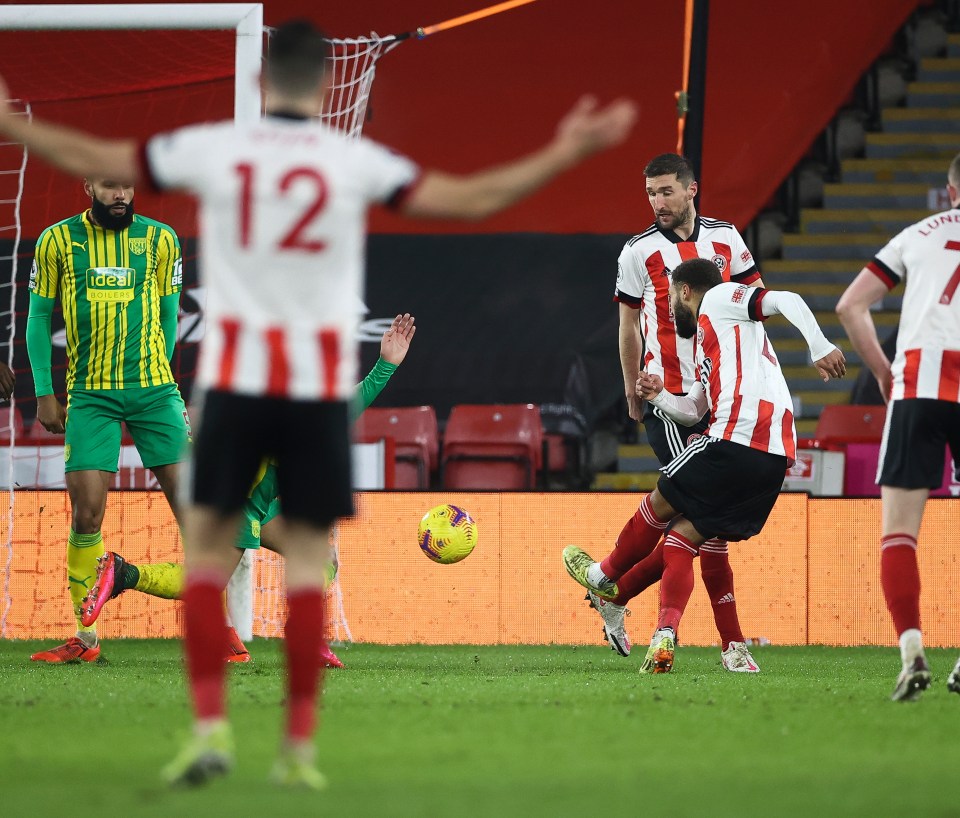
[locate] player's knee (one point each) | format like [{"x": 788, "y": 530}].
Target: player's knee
[{"x": 87, "y": 520}]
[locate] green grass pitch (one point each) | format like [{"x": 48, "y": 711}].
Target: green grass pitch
[{"x": 494, "y": 731}]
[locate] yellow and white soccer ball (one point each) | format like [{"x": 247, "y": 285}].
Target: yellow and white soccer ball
[{"x": 447, "y": 534}]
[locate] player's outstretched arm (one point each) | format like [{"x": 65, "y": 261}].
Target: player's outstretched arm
[
  {"x": 827, "y": 358},
  {"x": 854, "y": 312},
  {"x": 584, "y": 131},
  {"x": 72, "y": 151},
  {"x": 393, "y": 349}
]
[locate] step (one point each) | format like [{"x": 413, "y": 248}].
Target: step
[
  {"x": 939, "y": 69},
  {"x": 953, "y": 45},
  {"x": 877, "y": 196},
  {"x": 796, "y": 268},
  {"x": 811, "y": 382},
  {"x": 920, "y": 120},
  {"x": 801, "y": 357},
  {"x": 933, "y": 94},
  {"x": 806, "y": 427},
  {"x": 625, "y": 481},
  {"x": 812, "y": 401},
  {"x": 636, "y": 458},
  {"x": 887, "y": 222},
  {"x": 928, "y": 171},
  {"x": 797, "y": 343},
  {"x": 912, "y": 146},
  {"x": 832, "y": 245}
]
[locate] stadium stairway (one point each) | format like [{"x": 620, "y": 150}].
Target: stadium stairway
[{"x": 897, "y": 183}]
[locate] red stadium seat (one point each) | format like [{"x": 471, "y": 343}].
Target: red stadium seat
[
  {"x": 414, "y": 431},
  {"x": 18, "y": 428},
  {"x": 498, "y": 446},
  {"x": 839, "y": 425}
]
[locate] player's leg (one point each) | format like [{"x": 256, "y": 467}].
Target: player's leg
[
  {"x": 911, "y": 463},
  {"x": 697, "y": 485},
  {"x": 717, "y": 577},
  {"x": 91, "y": 454},
  {"x": 638, "y": 538},
  {"x": 271, "y": 535},
  {"x": 234, "y": 436},
  {"x": 313, "y": 499},
  {"x": 158, "y": 422}
]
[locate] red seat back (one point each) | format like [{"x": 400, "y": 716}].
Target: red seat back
[
  {"x": 414, "y": 431},
  {"x": 850, "y": 424},
  {"x": 496, "y": 446}
]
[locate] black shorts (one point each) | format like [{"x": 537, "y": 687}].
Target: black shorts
[
  {"x": 309, "y": 440},
  {"x": 668, "y": 438},
  {"x": 725, "y": 489},
  {"x": 914, "y": 436}
]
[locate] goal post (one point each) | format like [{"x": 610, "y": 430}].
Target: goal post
[{"x": 353, "y": 68}]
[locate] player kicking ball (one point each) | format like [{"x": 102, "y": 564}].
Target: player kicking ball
[
  {"x": 165, "y": 580},
  {"x": 725, "y": 483}
]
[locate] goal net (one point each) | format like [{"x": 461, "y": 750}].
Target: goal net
[{"x": 124, "y": 71}]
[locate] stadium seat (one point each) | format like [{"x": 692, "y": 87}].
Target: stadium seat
[
  {"x": 839, "y": 425},
  {"x": 18, "y": 427},
  {"x": 497, "y": 446},
  {"x": 414, "y": 432}
]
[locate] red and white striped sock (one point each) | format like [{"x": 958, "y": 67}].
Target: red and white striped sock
[
  {"x": 637, "y": 540},
  {"x": 677, "y": 583},
  {"x": 900, "y": 578},
  {"x": 718, "y": 580}
]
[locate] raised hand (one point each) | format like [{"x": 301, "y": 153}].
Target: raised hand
[
  {"x": 832, "y": 365},
  {"x": 588, "y": 129},
  {"x": 396, "y": 340}
]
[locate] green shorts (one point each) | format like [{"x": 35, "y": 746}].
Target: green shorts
[
  {"x": 156, "y": 418},
  {"x": 261, "y": 507}
]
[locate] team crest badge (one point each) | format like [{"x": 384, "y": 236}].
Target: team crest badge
[
  {"x": 66, "y": 453},
  {"x": 720, "y": 262},
  {"x": 138, "y": 246}
]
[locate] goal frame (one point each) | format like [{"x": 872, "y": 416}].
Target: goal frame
[{"x": 246, "y": 20}]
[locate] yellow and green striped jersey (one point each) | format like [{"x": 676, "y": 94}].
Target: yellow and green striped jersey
[{"x": 110, "y": 283}]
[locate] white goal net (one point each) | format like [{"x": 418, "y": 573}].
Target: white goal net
[{"x": 125, "y": 70}]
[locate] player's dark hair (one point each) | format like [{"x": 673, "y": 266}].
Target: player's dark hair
[
  {"x": 699, "y": 274},
  {"x": 297, "y": 57},
  {"x": 667, "y": 164}
]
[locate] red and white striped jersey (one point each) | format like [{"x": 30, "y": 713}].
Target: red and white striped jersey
[
  {"x": 643, "y": 282},
  {"x": 283, "y": 205},
  {"x": 927, "y": 255},
  {"x": 749, "y": 400}
]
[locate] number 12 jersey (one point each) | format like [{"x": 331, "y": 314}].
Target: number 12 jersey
[{"x": 283, "y": 208}]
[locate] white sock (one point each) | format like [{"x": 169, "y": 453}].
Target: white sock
[
  {"x": 911, "y": 645},
  {"x": 596, "y": 576},
  {"x": 89, "y": 638}
]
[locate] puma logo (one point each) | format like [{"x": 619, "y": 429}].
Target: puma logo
[
  {"x": 78, "y": 244},
  {"x": 84, "y": 582}
]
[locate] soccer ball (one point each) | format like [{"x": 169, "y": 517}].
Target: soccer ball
[{"x": 447, "y": 534}]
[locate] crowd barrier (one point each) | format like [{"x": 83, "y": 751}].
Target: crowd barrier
[{"x": 811, "y": 577}]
